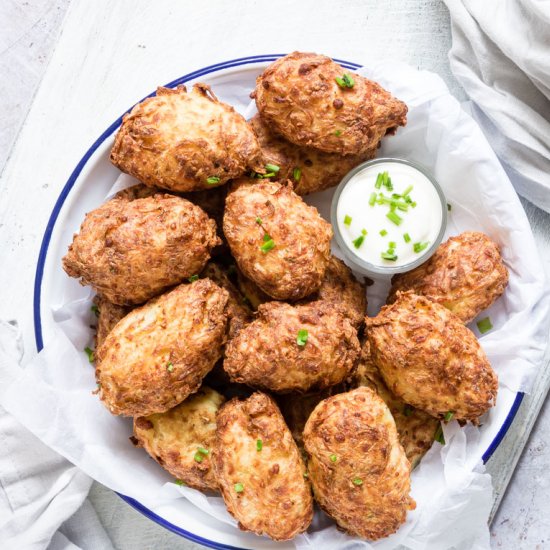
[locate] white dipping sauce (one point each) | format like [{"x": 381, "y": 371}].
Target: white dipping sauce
[{"x": 421, "y": 221}]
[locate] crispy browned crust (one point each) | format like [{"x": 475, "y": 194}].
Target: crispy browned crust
[
  {"x": 174, "y": 437},
  {"x": 108, "y": 315},
  {"x": 357, "y": 430},
  {"x": 315, "y": 170},
  {"x": 159, "y": 353},
  {"x": 177, "y": 140},
  {"x": 429, "y": 359},
  {"x": 276, "y": 499},
  {"x": 251, "y": 291},
  {"x": 295, "y": 267},
  {"x": 265, "y": 354},
  {"x": 299, "y": 97},
  {"x": 237, "y": 309},
  {"x": 132, "y": 250},
  {"x": 466, "y": 275},
  {"x": 416, "y": 429}
]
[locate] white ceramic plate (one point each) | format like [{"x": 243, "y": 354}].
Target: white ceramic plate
[{"x": 90, "y": 182}]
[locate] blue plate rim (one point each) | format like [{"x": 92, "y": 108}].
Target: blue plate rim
[{"x": 37, "y": 292}]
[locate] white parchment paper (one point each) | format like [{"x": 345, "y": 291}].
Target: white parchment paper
[{"x": 53, "y": 396}]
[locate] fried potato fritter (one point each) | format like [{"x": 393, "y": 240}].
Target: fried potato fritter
[
  {"x": 429, "y": 359},
  {"x": 416, "y": 429},
  {"x": 131, "y": 250},
  {"x": 466, "y": 275},
  {"x": 309, "y": 169},
  {"x": 260, "y": 470},
  {"x": 108, "y": 315},
  {"x": 298, "y": 95},
  {"x": 277, "y": 240},
  {"x": 357, "y": 467},
  {"x": 181, "y": 439},
  {"x": 185, "y": 141},
  {"x": 270, "y": 353},
  {"x": 159, "y": 353}
]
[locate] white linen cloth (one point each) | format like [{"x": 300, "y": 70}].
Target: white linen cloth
[
  {"x": 39, "y": 489},
  {"x": 501, "y": 56}
]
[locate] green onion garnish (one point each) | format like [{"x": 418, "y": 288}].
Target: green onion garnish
[
  {"x": 389, "y": 255},
  {"x": 439, "y": 435},
  {"x": 359, "y": 241},
  {"x": 383, "y": 232},
  {"x": 484, "y": 325},
  {"x": 449, "y": 416},
  {"x": 239, "y": 487},
  {"x": 180, "y": 482},
  {"x": 306, "y": 475},
  {"x": 358, "y": 481},
  {"x": 372, "y": 199},
  {"x": 297, "y": 174},
  {"x": 338, "y": 133},
  {"x": 95, "y": 310},
  {"x": 272, "y": 168},
  {"x": 379, "y": 180},
  {"x": 407, "y": 410},
  {"x": 259, "y": 445},
  {"x": 393, "y": 217},
  {"x": 364, "y": 232},
  {"x": 391, "y": 244},
  {"x": 259, "y": 221},
  {"x": 212, "y": 180},
  {"x": 333, "y": 458},
  {"x": 193, "y": 278},
  {"x": 268, "y": 175},
  {"x": 269, "y": 243},
  {"x": 203, "y": 451},
  {"x": 198, "y": 457},
  {"x": 170, "y": 367},
  {"x": 347, "y": 220},
  {"x": 301, "y": 338},
  {"x": 449, "y": 207},
  {"x": 419, "y": 247},
  {"x": 407, "y": 191},
  {"x": 90, "y": 354},
  {"x": 345, "y": 81},
  {"x": 406, "y": 237}
]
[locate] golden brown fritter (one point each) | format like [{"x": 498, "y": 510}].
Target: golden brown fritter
[
  {"x": 466, "y": 275},
  {"x": 416, "y": 429},
  {"x": 270, "y": 352},
  {"x": 260, "y": 470},
  {"x": 159, "y": 353},
  {"x": 358, "y": 469},
  {"x": 132, "y": 250},
  {"x": 309, "y": 169},
  {"x": 277, "y": 240},
  {"x": 299, "y": 97},
  {"x": 185, "y": 141},
  {"x": 429, "y": 359},
  {"x": 181, "y": 439},
  {"x": 108, "y": 315},
  {"x": 238, "y": 312},
  {"x": 138, "y": 191}
]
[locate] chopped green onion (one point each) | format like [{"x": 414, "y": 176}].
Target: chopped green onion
[
  {"x": 333, "y": 458},
  {"x": 203, "y": 451},
  {"x": 359, "y": 241},
  {"x": 389, "y": 255},
  {"x": 180, "y": 482},
  {"x": 239, "y": 487},
  {"x": 259, "y": 445},
  {"x": 449, "y": 416},
  {"x": 302, "y": 337},
  {"x": 306, "y": 475},
  {"x": 358, "y": 481},
  {"x": 95, "y": 310},
  {"x": 272, "y": 168},
  {"x": 90, "y": 354},
  {"x": 379, "y": 180},
  {"x": 391, "y": 244},
  {"x": 297, "y": 174},
  {"x": 383, "y": 232},
  {"x": 364, "y": 232},
  {"x": 212, "y": 180},
  {"x": 387, "y": 182},
  {"x": 408, "y": 190},
  {"x": 345, "y": 81},
  {"x": 419, "y": 247},
  {"x": 372, "y": 199},
  {"x": 269, "y": 243},
  {"x": 268, "y": 175},
  {"x": 402, "y": 207},
  {"x": 193, "y": 278},
  {"x": 413, "y": 204},
  {"x": 439, "y": 435},
  {"x": 198, "y": 457},
  {"x": 347, "y": 220},
  {"x": 484, "y": 325},
  {"x": 259, "y": 221},
  {"x": 407, "y": 410},
  {"x": 406, "y": 237},
  {"x": 449, "y": 207},
  {"x": 170, "y": 367},
  {"x": 338, "y": 133},
  {"x": 393, "y": 217}
]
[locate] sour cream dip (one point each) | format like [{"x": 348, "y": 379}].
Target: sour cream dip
[{"x": 389, "y": 216}]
